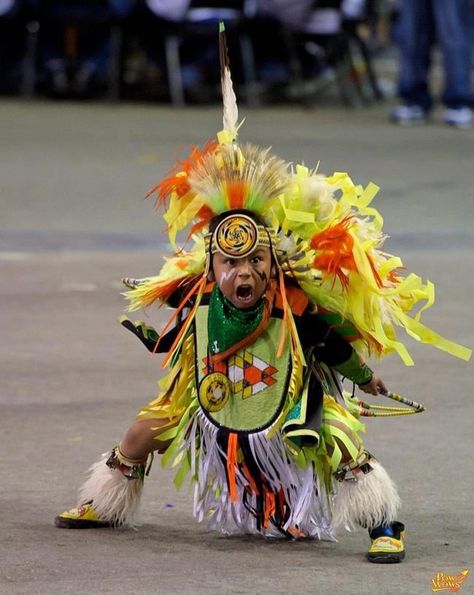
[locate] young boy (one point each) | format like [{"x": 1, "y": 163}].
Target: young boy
[
  {"x": 244, "y": 312},
  {"x": 285, "y": 276}
]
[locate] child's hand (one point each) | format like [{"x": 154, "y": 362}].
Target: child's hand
[
  {"x": 147, "y": 334},
  {"x": 375, "y": 386}
]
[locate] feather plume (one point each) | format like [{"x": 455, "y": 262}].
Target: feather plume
[
  {"x": 177, "y": 272},
  {"x": 231, "y": 112},
  {"x": 248, "y": 177},
  {"x": 334, "y": 251},
  {"x": 177, "y": 178}
]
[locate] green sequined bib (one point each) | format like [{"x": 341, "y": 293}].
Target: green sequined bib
[{"x": 249, "y": 394}]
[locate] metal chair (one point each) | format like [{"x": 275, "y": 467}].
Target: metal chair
[
  {"x": 335, "y": 41},
  {"x": 201, "y": 21}
]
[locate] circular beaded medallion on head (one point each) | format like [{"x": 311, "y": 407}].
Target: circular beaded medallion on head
[{"x": 236, "y": 236}]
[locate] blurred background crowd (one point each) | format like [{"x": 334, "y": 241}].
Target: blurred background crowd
[{"x": 280, "y": 50}]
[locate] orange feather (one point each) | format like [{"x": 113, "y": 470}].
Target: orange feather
[
  {"x": 175, "y": 180},
  {"x": 236, "y": 193},
  {"x": 377, "y": 278},
  {"x": 205, "y": 214},
  {"x": 336, "y": 245}
]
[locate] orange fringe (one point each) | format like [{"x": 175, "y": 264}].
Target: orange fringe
[
  {"x": 269, "y": 508},
  {"x": 250, "y": 479},
  {"x": 232, "y": 449},
  {"x": 196, "y": 288},
  {"x": 377, "y": 278},
  {"x": 285, "y": 313}
]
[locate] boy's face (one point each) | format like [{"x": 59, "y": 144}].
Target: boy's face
[{"x": 243, "y": 281}]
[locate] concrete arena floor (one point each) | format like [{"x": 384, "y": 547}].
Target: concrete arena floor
[{"x": 72, "y": 223}]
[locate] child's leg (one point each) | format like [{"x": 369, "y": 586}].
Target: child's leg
[
  {"x": 364, "y": 493},
  {"x": 141, "y": 439},
  {"x": 111, "y": 494}
]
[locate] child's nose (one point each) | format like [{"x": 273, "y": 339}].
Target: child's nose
[{"x": 244, "y": 269}]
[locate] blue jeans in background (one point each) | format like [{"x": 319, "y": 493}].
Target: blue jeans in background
[{"x": 422, "y": 23}]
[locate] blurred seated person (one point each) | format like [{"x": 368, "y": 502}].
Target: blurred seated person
[
  {"x": 12, "y": 36},
  {"x": 155, "y": 19},
  {"x": 169, "y": 10},
  {"x": 322, "y": 18},
  {"x": 198, "y": 53},
  {"x": 75, "y": 43}
]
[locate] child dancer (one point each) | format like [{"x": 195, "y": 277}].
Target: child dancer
[{"x": 283, "y": 290}]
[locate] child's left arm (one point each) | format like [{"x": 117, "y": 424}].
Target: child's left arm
[
  {"x": 337, "y": 353},
  {"x": 359, "y": 372}
]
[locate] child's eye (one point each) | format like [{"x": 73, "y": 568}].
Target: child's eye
[
  {"x": 230, "y": 261},
  {"x": 256, "y": 260}
]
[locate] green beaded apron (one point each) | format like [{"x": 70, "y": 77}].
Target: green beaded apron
[{"x": 250, "y": 394}]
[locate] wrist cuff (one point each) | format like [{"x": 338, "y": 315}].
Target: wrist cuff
[{"x": 355, "y": 370}]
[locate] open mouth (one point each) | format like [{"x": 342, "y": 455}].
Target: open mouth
[{"x": 244, "y": 293}]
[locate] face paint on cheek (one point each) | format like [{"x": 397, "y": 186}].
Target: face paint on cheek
[
  {"x": 226, "y": 276},
  {"x": 263, "y": 276}
]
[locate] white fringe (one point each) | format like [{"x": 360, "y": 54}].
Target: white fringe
[
  {"x": 369, "y": 502},
  {"x": 115, "y": 498},
  {"x": 306, "y": 498}
]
